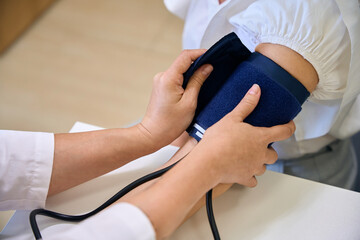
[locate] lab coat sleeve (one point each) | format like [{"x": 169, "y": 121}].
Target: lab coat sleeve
[
  {"x": 121, "y": 221},
  {"x": 26, "y": 160}
]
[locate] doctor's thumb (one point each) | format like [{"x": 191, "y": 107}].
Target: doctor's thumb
[
  {"x": 248, "y": 103},
  {"x": 196, "y": 81}
]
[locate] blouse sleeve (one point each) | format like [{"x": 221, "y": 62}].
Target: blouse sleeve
[
  {"x": 178, "y": 7},
  {"x": 313, "y": 28},
  {"x": 26, "y": 160}
]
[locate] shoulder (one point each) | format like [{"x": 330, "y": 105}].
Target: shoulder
[{"x": 320, "y": 37}]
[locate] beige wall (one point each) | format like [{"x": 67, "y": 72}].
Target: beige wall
[
  {"x": 16, "y": 16},
  {"x": 86, "y": 60}
]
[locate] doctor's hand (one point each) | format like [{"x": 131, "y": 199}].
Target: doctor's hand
[
  {"x": 172, "y": 108},
  {"x": 237, "y": 151}
]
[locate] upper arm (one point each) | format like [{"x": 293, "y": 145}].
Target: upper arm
[
  {"x": 305, "y": 42},
  {"x": 292, "y": 62}
]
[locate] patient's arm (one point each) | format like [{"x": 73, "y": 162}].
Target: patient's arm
[
  {"x": 188, "y": 143},
  {"x": 292, "y": 62},
  {"x": 288, "y": 59}
]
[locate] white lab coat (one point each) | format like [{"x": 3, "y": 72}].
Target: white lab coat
[
  {"x": 26, "y": 160},
  {"x": 333, "y": 110}
]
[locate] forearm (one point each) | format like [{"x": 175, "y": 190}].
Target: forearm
[
  {"x": 80, "y": 157},
  {"x": 189, "y": 144},
  {"x": 168, "y": 201}
]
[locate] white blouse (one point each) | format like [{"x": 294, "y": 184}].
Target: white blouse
[{"x": 324, "y": 32}]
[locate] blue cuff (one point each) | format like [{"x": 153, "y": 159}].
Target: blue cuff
[{"x": 235, "y": 71}]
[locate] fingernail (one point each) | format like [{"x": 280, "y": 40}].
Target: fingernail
[
  {"x": 207, "y": 70},
  {"x": 254, "y": 89}
]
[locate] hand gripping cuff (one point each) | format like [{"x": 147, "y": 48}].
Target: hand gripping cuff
[{"x": 235, "y": 71}]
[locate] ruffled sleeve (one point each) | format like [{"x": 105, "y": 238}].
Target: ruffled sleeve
[{"x": 313, "y": 28}]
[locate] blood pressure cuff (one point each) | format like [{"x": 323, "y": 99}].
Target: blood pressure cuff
[{"x": 235, "y": 71}]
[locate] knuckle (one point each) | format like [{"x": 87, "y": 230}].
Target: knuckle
[
  {"x": 192, "y": 104},
  {"x": 249, "y": 172},
  {"x": 197, "y": 79},
  {"x": 158, "y": 75},
  {"x": 290, "y": 128},
  {"x": 275, "y": 155},
  {"x": 293, "y": 126},
  {"x": 264, "y": 135},
  {"x": 155, "y": 82},
  {"x": 239, "y": 111},
  {"x": 249, "y": 101},
  {"x": 274, "y": 158},
  {"x": 253, "y": 183},
  {"x": 289, "y": 131},
  {"x": 185, "y": 53},
  {"x": 166, "y": 77},
  {"x": 263, "y": 169}
]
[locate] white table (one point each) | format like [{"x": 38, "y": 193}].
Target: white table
[{"x": 280, "y": 207}]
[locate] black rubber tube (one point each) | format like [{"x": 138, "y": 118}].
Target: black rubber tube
[
  {"x": 77, "y": 218},
  {"x": 211, "y": 217}
]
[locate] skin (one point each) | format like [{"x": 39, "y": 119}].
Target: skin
[
  {"x": 242, "y": 156},
  {"x": 80, "y": 157},
  {"x": 292, "y": 62},
  {"x": 288, "y": 59}
]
